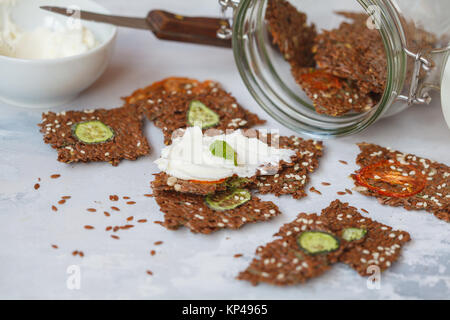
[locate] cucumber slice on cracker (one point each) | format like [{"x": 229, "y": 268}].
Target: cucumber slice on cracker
[
  {"x": 92, "y": 132},
  {"x": 228, "y": 200},
  {"x": 237, "y": 182},
  {"x": 317, "y": 242},
  {"x": 199, "y": 113},
  {"x": 353, "y": 234},
  {"x": 221, "y": 149}
]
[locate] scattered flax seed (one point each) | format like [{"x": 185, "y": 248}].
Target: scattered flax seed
[
  {"x": 148, "y": 195},
  {"x": 127, "y": 226},
  {"x": 348, "y": 191},
  {"x": 75, "y": 253},
  {"x": 115, "y": 237},
  {"x": 157, "y": 243},
  {"x": 81, "y": 254},
  {"x": 158, "y": 222},
  {"x": 238, "y": 255},
  {"x": 54, "y": 208},
  {"x": 106, "y": 213},
  {"x": 364, "y": 210},
  {"x": 142, "y": 221},
  {"x": 130, "y": 218},
  {"x": 126, "y": 198},
  {"x": 113, "y": 198},
  {"x": 115, "y": 208},
  {"x": 54, "y": 246},
  {"x": 66, "y": 197},
  {"x": 37, "y": 186},
  {"x": 55, "y": 176},
  {"x": 341, "y": 193},
  {"x": 61, "y": 201},
  {"x": 343, "y": 162},
  {"x": 116, "y": 228},
  {"x": 108, "y": 228},
  {"x": 153, "y": 252},
  {"x": 326, "y": 184},
  {"x": 91, "y": 210},
  {"x": 312, "y": 189},
  {"x": 149, "y": 273},
  {"x": 89, "y": 227},
  {"x": 131, "y": 202}
]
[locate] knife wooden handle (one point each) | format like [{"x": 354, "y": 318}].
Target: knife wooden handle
[{"x": 199, "y": 30}]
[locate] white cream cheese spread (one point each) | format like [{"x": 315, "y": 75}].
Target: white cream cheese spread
[
  {"x": 189, "y": 157},
  {"x": 50, "y": 41}
]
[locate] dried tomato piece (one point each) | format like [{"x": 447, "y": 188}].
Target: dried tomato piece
[
  {"x": 176, "y": 84},
  {"x": 170, "y": 85},
  {"x": 208, "y": 182},
  {"x": 392, "y": 179},
  {"x": 321, "y": 80}
]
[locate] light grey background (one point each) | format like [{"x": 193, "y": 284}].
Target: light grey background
[{"x": 187, "y": 265}]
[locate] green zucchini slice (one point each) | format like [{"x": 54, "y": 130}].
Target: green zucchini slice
[
  {"x": 353, "y": 234},
  {"x": 199, "y": 113},
  {"x": 236, "y": 182},
  {"x": 91, "y": 132},
  {"x": 221, "y": 149},
  {"x": 228, "y": 200},
  {"x": 317, "y": 242}
]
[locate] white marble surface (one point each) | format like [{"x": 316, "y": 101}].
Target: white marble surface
[{"x": 187, "y": 265}]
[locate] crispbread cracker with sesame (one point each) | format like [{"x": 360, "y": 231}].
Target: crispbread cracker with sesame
[
  {"x": 290, "y": 32},
  {"x": 180, "y": 85},
  {"x": 128, "y": 142},
  {"x": 181, "y": 209},
  {"x": 166, "y": 103},
  {"x": 287, "y": 179},
  {"x": 164, "y": 182},
  {"x": 282, "y": 262},
  {"x": 332, "y": 95},
  {"x": 434, "y": 197},
  {"x": 292, "y": 178},
  {"x": 355, "y": 52},
  {"x": 379, "y": 247}
]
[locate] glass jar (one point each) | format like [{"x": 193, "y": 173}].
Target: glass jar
[{"x": 413, "y": 69}]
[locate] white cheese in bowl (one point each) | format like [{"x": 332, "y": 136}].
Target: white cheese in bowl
[
  {"x": 49, "y": 41},
  {"x": 189, "y": 157}
]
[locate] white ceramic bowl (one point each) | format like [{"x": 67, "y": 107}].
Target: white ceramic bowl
[{"x": 54, "y": 82}]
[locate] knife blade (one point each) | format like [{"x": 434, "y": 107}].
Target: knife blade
[{"x": 128, "y": 22}]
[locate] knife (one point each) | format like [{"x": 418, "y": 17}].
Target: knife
[{"x": 163, "y": 24}]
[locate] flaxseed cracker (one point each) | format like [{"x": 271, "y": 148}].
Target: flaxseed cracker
[
  {"x": 292, "y": 177},
  {"x": 355, "y": 52},
  {"x": 282, "y": 262},
  {"x": 167, "y": 106},
  {"x": 181, "y": 209},
  {"x": 179, "y": 85},
  {"x": 288, "y": 179},
  {"x": 165, "y": 182},
  {"x": 290, "y": 32},
  {"x": 435, "y": 195},
  {"x": 128, "y": 142},
  {"x": 330, "y": 94},
  {"x": 379, "y": 247}
]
